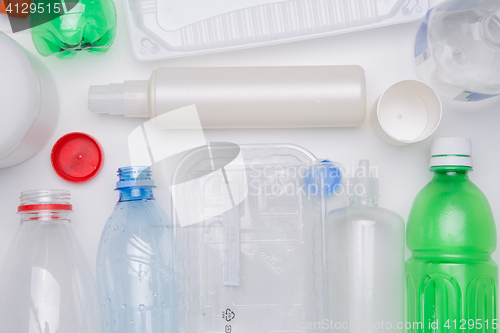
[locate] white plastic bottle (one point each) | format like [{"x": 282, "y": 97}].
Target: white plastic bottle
[
  {"x": 457, "y": 49},
  {"x": 28, "y": 104},
  {"x": 244, "y": 97},
  {"x": 365, "y": 247}
]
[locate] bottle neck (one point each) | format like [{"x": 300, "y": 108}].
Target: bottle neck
[
  {"x": 363, "y": 201},
  {"x": 136, "y": 193},
  {"x": 491, "y": 28},
  {"x": 45, "y": 206},
  {"x": 457, "y": 172},
  {"x": 46, "y": 216}
]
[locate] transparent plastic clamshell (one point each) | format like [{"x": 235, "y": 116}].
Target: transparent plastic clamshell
[
  {"x": 161, "y": 29},
  {"x": 258, "y": 267}
]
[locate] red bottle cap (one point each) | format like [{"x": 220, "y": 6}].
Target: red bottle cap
[{"x": 77, "y": 157}]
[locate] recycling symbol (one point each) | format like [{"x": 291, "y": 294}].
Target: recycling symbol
[{"x": 228, "y": 315}]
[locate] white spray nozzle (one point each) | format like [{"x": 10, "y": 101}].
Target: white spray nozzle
[
  {"x": 364, "y": 184},
  {"x": 129, "y": 99}
]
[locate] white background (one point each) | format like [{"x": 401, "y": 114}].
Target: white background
[{"x": 386, "y": 55}]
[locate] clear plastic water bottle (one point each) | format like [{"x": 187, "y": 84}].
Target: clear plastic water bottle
[
  {"x": 457, "y": 49},
  {"x": 452, "y": 281},
  {"x": 46, "y": 284},
  {"x": 365, "y": 247},
  {"x": 135, "y": 260}
]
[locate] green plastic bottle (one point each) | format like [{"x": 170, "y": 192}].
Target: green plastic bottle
[
  {"x": 451, "y": 278},
  {"x": 86, "y": 25}
]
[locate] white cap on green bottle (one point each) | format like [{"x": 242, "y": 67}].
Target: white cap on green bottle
[{"x": 451, "y": 152}]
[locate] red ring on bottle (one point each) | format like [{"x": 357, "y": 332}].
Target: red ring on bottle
[{"x": 26, "y": 208}]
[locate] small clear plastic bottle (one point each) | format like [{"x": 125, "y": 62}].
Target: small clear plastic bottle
[
  {"x": 135, "y": 260},
  {"x": 46, "y": 284},
  {"x": 457, "y": 49},
  {"x": 365, "y": 247}
]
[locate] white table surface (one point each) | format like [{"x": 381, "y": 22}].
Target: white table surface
[{"x": 386, "y": 55}]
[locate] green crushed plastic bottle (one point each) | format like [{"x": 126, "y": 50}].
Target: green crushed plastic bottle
[
  {"x": 451, "y": 278},
  {"x": 88, "y": 25}
]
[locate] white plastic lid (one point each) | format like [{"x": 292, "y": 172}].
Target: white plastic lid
[
  {"x": 451, "y": 151},
  {"x": 409, "y": 111},
  {"x": 20, "y": 95}
]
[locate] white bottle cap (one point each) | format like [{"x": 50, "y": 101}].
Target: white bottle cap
[
  {"x": 451, "y": 151},
  {"x": 129, "y": 99},
  {"x": 364, "y": 184}
]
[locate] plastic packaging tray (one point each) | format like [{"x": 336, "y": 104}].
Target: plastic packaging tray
[
  {"x": 161, "y": 29},
  {"x": 278, "y": 228}
]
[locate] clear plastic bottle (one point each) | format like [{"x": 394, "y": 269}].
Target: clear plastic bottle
[
  {"x": 452, "y": 281},
  {"x": 135, "y": 260},
  {"x": 244, "y": 97},
  {"x": 365, "y": 247},
  {"x": 457, "y": 49},
  {"x": 46, "y": 284},
  {"x": 89, "y": 25}
]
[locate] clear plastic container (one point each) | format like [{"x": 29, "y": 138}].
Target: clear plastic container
[
  {"x": 365, "y": 253},
  {"x": 167, "y": 28},
  {"x": 457, "y": 49},
  {"x": 258, "y": 266},
  {"x": 46, "y": 284},
  {"x": 244, "y": 97}
]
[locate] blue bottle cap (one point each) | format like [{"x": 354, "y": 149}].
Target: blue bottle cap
[{"x": 329, "y": 175}]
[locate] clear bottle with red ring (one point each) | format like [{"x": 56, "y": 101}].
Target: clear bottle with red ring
[{"x": 46, "y": 284}]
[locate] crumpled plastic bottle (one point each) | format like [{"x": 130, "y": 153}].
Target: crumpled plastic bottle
[{"x": 88, "y": 25}]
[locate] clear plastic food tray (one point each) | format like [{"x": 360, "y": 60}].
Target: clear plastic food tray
[
  {"x": 258, "y": 267},
  {"x": 162, "y": 29}
]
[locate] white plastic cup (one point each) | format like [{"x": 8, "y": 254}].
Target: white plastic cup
[{"x": 407, "y": 112}]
